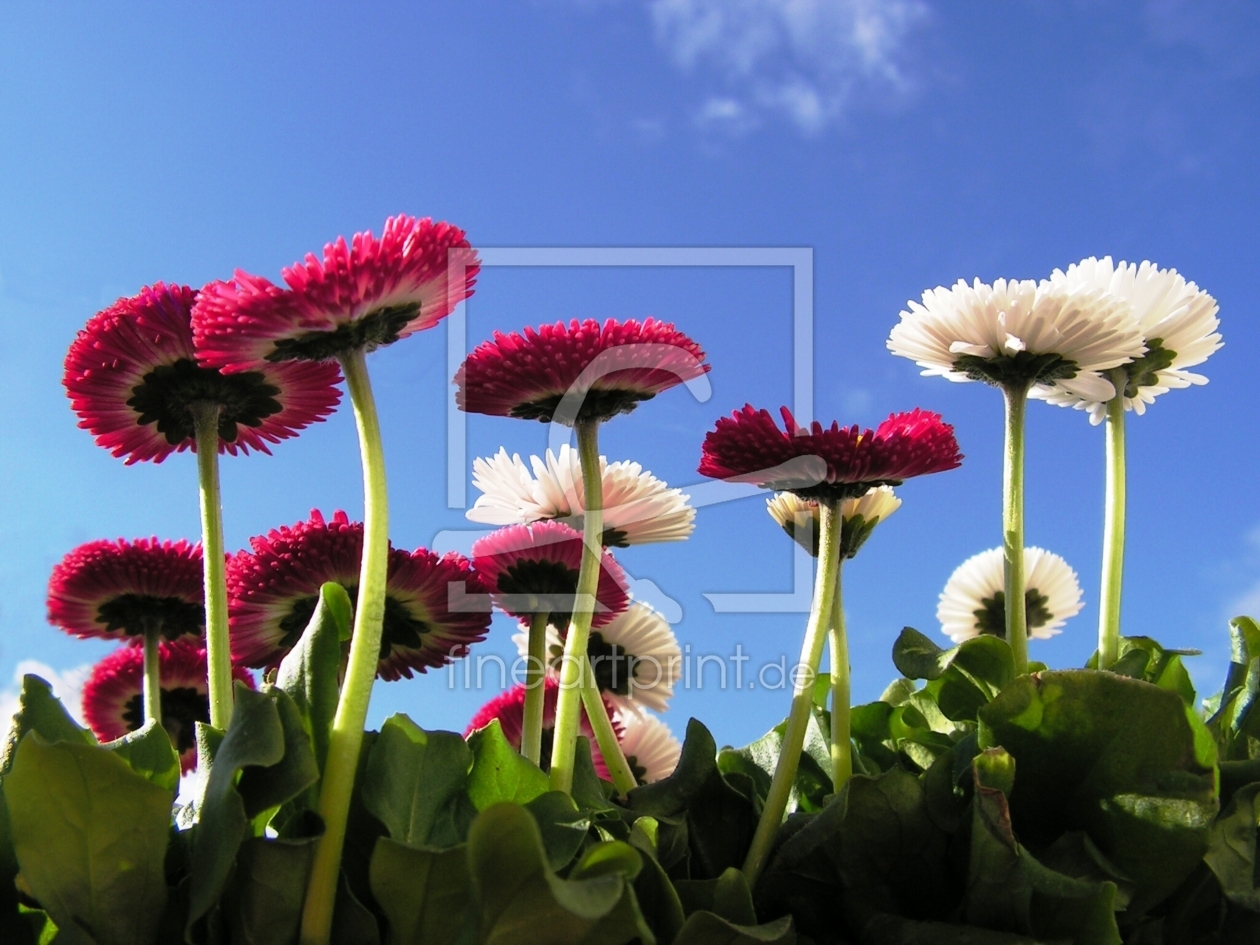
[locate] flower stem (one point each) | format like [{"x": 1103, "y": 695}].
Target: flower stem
[
  {"x": 1013, "y": 525},
  {"x": 1113, "y": 528},
  {"x": 802, "y": 694},
  {"x": 841, "y": 745},
  {"x": 535, "y": 688},
  {"x": 218, "y": 645},
  {"x": 152, "y": 671},
  {"x": 605, "y": 735},
  {"x": 573, "y": 665},
  {"x": 346, "y": 737}
]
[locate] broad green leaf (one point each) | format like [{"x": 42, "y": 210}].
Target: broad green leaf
[
  {"x": 1144, "y": 658},
  {"x": 90, "y": 835},
  {"x": 897, "y": 930},
  {"x": 149, "y": 752},
  {"x": 499, "y": 772},
  {"x": 262, "y": 904},
  {"x": 415, "y": 784},
  {"x": 758, "y": 760},
  {"x": 1120, "y": 759},
  {"x": 40, "y": 711},
  {"x": 705, "y": 928},
  {"x": 728, "y": 896},
  {"x": 562, "y": 826},
  {"x": 960, "y": 679},
  {"x": 658, "y": 899},
  {"x": 309, "y": 671},
  {"x": 425, "y": 893},
  {"x": 589, "y": 791},
  {"x": 916, "y": 656},
  {"x": 263, "y": 787},
  {"x": 1231, "y": 853},
  {"x": 353, "y": 922}
]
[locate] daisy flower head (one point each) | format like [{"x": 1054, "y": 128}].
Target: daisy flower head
[
  {"x": 801, "y": 518},
  {"x": 274, "y": 587},
  {"x": 534, "y": 569},
  {"x": 638, "y": 507},
  {"x": 575, "y": 372},
  {"x": 509, "y": 708},
  {"x": 635, "y": 657},
  {"x": 827, "y": 462},
  {"x": 974, "y": 602},
  {"x": 133, "y": 379},
  {"x": 113, "y": 694},
  {"x": 1016, "y": 333},
  {"x": 1178, "y": 322},
  {"x": 123, "y": 589},
  {"x": 650, "y": 747},
  {"x": 360, "y": 295}
]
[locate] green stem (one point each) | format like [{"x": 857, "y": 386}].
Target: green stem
[
  {"x": 802, "y": 695},
  {"x": 152, "y": 671},
  {"x": 841, "y": 744},
  {"x": 346, "y": 737},
  {"x": 218, "y": 644},
  {"x": 573, "y": 666},
  {"x": 1013, "y": 525},
  {"x": 605, "y": 735},
  {"x": 1113, "y": 529},
  {"x": 535, "y": 688}
]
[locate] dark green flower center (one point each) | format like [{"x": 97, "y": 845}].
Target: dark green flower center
[
  {"x": 402, "y": 628},
  {"x": 549, "y": 583},
  {"x": 991, "y": 618},
  {"x": 134, "y": 614},
  {"x": 1144, "y": 372},
  {"x": 1013, "y": 370},
  {"x": 373, "y": 330},
  {"x": 182, "y": 709},
  {"x": 613, "y": 665},
  {"x": 596, "y": 405},
  {"x": 167, "y": 394}
]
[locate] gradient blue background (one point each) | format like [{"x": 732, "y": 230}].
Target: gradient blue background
[{"x": 144, "y": 142}]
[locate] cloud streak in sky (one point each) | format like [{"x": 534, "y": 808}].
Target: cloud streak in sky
[{"x": 805, "y": 60}]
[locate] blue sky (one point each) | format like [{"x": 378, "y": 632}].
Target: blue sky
[{"x": 907, "y": 143}]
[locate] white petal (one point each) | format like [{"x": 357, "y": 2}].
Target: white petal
[{"x": 981, "y": 577}]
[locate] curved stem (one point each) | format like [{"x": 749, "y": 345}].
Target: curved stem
[
  {"x": 346, "y": 737},
  {"x": 841, "y": 744},
  {"x": 1013, "y": 525},
  {"x": 572, "y": 667},
  {"x": 535, "y": 688},
  {"x": 605, "y": 735},
  {"x": 152, "y": 671},
  {"x": 218, "y": 645},
  {"x": 802, "y": 694},
  {"x": 1113, "y": 529}
]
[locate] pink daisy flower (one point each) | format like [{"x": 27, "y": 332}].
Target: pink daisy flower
[
  {"x": 534, "y": 569},
  {"x": 113, "y": 701},
  {"x": 365, "y": 294},
  {"x": 274, "y": 588},
  {"x": 608, "y": 369},
  {"x": 132, "y": 376},
  {"x": 833, "y": 462},
  {"x": 121, "y": 589},
  {"x": 509, "y": 708}
]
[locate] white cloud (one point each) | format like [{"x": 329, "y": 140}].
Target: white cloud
[
  {"x": 67, "y": 685},
  {"x": 803, "y": 59}
]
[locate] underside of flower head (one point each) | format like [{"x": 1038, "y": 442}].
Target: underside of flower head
[
  {"x": 830, "y": 463},
  {"x": 802, "y": 519},
  {"x": 361, "y": 295},
  {"x": 1178, "y": 322},
  {"x": 579, "y": 371},
  {"x": 1016, "y": 334},
  {"x": 638, "y": 507},
  {"x": 274, "y": 589},
  {"x": 650, "y": 747},
  {"x": 133, "y": 378},
  {"x": 974, "y": 602}
]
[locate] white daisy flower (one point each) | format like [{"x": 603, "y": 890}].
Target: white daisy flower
[
  {"x": 1178, "y": 322},
  {"x": 649, "y": 746},
  {"x": 636, "y": 658},
  {"x": 800, "y": 518},
  {"x": 1017, "y": 332},
  {"x": 974, "y": 603},
  {"x": 638, "y": 507}
]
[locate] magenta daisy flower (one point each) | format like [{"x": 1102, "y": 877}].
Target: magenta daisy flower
[
  {"x": 509, "y": 708},
  {"x": 124, "y": 589},
  {"x": 362, "y": 295},
  {"x": 133, "y": 379},
  {"x": 274, "y": 588},
  {"x": 833, "y": 462},
  {"x": 113, "y": 695},
  {"x": 606, "y": 369},
  {"x": 534, "y": 569}
]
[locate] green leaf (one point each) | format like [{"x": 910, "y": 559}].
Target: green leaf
[
  {"x": 499, "y": 772},
  {"x": 758, "y": 760},
  {"x": 425, "y": 893},
  {"x": 40, "y": 711},
  {"x": 263, "y": 903},
  {"x": 588, "y": 789},
  {"x": 705, "y": 928},
  {"x": 1120, "y": 759},
  {"x": 90, "y": 835},
  {"x": 149, "y": 752},
  {"x": 309, "y": 671},
  {"x": 522, "y": 901},
  {"x": 1231, "y": 853},
  {"x": 658, "y": 899},
  {"x": 896, "y": 930},
  {"x": 728, "y": 896},
  {"x": 263, "y": 787},
  {"x": 562, "y": 826},
  {"x": 1144, "y": 658},
  {"x": 916, "y": 656},
  {"x": 415, "y": 784}
]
